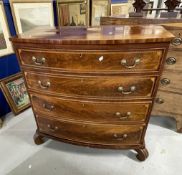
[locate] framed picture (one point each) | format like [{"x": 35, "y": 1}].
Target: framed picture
[
  {"x": 83, "y": 8},
  {"x": 73, "y": 12},
  {"x": 5, "y": 44},
  {"x": 29, "y": 14},
  {"x": 150, "y": 6},
  {"x": 100, "y": 8},
  {"x": 15, "y": 92},
  {"x": 121, "y": 9},
  {"x": 1, "y": 123}
]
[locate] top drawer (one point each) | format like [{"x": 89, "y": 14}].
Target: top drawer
[{"x": 93, "y": 61}]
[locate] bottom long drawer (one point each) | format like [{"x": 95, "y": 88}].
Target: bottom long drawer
[{"x": 91, "y": 133}]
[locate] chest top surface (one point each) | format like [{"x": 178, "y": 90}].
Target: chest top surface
[{"x": 95, "y": 35}]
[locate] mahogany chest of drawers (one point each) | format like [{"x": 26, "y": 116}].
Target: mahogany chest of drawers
[{"x": 93, "y": 86}]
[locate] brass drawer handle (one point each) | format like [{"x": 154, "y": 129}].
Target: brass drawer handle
[
  {"x": 125, "y": 64},
  {"x": 171, "y": 60},
  {"x": 132, "y": 89},
  {"x": 165, "y": 81},
  {"x": 120, "y": 137},
  {"x": 159, "y": 100},
  {"x": 44, "y": 86},
  {"x": 123, "y": 116},
  {"x": 52, "y": 129},
  {"x": 48, "y": 107},
  {"x": 37, "y": 61},
  {"x": 177, "y": 41}
]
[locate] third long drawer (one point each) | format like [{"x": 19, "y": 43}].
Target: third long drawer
[{"x": 91, "y": 111}]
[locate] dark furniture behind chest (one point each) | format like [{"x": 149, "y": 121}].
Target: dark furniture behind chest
[
  {"x": 168, "y": 102},
  {"x": 94, "y": 86}
]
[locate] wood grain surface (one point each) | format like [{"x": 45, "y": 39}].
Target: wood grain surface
[
  {"x": 174, "y": 84},
  {"x": 81, "y": 89},
  {"x": 91, "y": 133},
  {"x": 91, "y": 111},
  {"x": 92, "y": 86},
  {"x": 170, "y": 93},
  {"x": 177, "y": 67},
  {"x": 170, "y": 107},
  {"x": 95, "y": 35},
  {"x": 93, "y": 61}
]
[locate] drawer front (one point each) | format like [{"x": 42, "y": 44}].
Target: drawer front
[
  {"x": 171, "y": 81},
  {"x": 167, "y": 104},
  {"x": 92, "y": 86},
  {"x": 174, "y": 60},
  {"x": 92, "y": 111},
  {"x": 93, "y": 61},
  {"x": 98, "y": 134},
  {"x": 177, "y": 41}
]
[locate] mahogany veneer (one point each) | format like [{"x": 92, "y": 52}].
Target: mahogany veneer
[{"x": 94, "y": 86}]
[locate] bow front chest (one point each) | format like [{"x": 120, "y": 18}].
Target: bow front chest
[{"x": 93, "y": 86}]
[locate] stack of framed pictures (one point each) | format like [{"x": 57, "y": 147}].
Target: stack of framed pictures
[
  {"x": 73, "y": 12},
  {"x": 82, "y": 12},
  {"x": 29, "y": 14},
  {"x": 5, "y": 44}
]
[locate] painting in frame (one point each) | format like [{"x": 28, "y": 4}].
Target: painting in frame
[
  {"x": 15, "y": 92},
  {"x": 121, "y": 9},
  {"x": 100, "y": 8},
  {"x": 30, "y": 14},
  {"x": 73, "y": 12},
  {"x": 5, "y": 44}
]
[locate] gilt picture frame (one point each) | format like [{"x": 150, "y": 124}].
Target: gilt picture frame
[
  {"x": 73, "y": 12},
  {"x": 30, "y": 14},
  {"x": 100, "y": 8},
  {"x": 15, "y": 92},
  {"x": 5, "y": 45}
]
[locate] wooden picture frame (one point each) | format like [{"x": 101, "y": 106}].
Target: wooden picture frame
[
  {"x": 1, "y": 123},
  {"x": 100, "y": 8},
  {"x": 83, "y": 9},
  {"x": 71, "y": 12},
  {"x": 5, "y": 45},
  {"x": 29, "y": 14},
  {"x": 15, "y": 92},
  {"x": 121, "y": 8}
]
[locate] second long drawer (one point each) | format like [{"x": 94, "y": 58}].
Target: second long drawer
[
  {"x": 92, "y": 86},
  {"x": 91, "y": 111}
]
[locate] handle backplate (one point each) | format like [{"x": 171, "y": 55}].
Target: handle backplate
[
  {"x": 37, "y": 61},
  {"x": 120, "y": 137},
  {"x": 48, "y": 107},
  {"x": 124, "y": 92},
  {"x": 52, "y": 129},
  {"x": 126, "y": 65},
  {"x": 44, "y": 86},
  {"x": 123, "y": 116}
]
